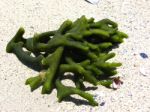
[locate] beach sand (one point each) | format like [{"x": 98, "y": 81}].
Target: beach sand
[{"x": 133, "y": 17}]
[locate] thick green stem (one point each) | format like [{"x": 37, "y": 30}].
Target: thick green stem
[
  {"x": 53, "y": 61},
  {"x": 17, "y": 38},
  {"x": 77, "y": 68},
  {"x": 64, "y": 91},
  {"x": 24, "y": 56}
]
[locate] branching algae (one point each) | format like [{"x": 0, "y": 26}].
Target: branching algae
[{"x": 81, "y": 47}]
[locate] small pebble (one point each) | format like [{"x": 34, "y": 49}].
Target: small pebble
[
  {"x": 102, "y": 104},
  {"x": 145, "y": 71},
  {"x": 130, "y": 94},
  {"x": 31, "y": 27},
  {"x": 143, "y": 55},
  {"x": 116, "y": 83},
  {"x": 112, "y": 99},
  {"x": 93, "y": 1}
]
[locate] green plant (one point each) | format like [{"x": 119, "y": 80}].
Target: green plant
[{"x": 81, "y": 47}]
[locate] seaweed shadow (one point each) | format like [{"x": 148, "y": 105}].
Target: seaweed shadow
[
  {"x": 90, "y": 88},
  {"x": 76, "y": 101},
  {"x": 32, "y": 66}
]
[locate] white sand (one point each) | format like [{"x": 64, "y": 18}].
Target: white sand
[{"x": 133, "y": 17}]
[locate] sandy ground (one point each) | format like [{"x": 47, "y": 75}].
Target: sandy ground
[{"x": 133, "y": 17}]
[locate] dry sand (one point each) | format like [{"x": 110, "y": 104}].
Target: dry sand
[{"x": 133, "y": 17}]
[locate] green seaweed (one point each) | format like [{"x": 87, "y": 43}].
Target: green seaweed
[{"x": 81, "y": 47}]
